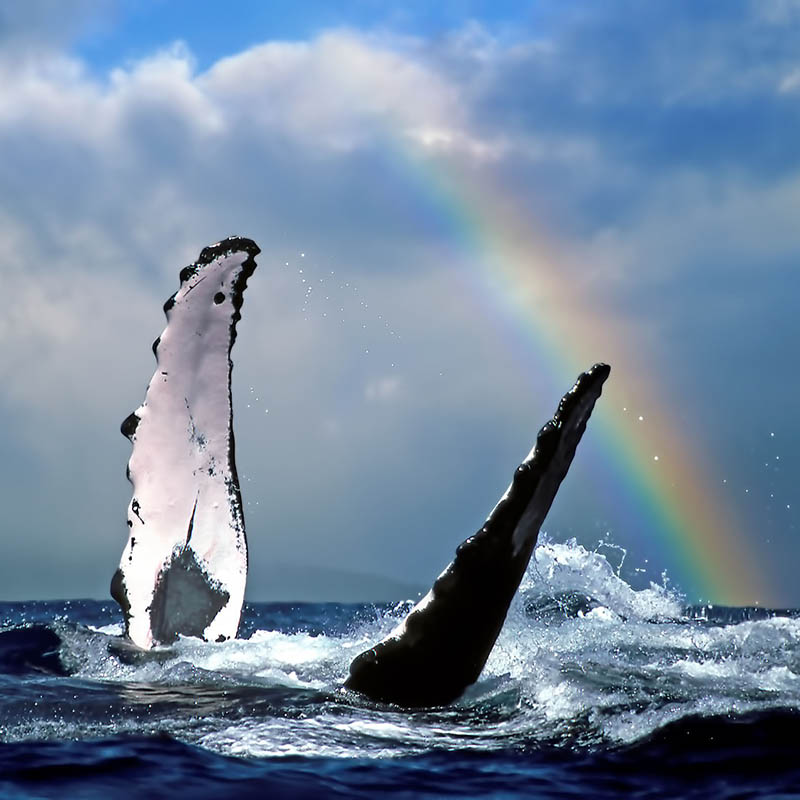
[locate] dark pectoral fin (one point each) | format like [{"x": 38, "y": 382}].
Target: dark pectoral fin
[{"x": 442, "y": 645}]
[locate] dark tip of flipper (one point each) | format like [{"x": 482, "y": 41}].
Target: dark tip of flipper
[
  {"x": 233, "y": 244},
  {"x": 588, "y": 382},
  {"x": 586, "y": 390}
]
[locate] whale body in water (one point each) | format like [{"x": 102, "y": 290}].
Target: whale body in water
[{"x": 184, "y": 568}]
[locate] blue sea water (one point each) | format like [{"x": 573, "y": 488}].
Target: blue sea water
[{"x": 594, "y": 690}]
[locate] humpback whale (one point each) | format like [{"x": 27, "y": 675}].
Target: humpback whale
[
  {"x": 184, "y": 567},
  {"x": 441, "y": 646}
]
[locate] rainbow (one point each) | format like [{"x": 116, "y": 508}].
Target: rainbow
[{"x": 660, "y": 477}]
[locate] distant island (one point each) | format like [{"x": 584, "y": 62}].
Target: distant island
[{"x": 312, "y": 584}]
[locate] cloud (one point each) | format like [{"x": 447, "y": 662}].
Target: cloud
[
  {"x": 790, "y": 82},
  {"x": 777, "y": 12},
  {"x": 117, "y": 182},
  {"x": 389, "y": 402},
  {"x": 383, "y": 389},
  {"x": 338, "y": 84}
]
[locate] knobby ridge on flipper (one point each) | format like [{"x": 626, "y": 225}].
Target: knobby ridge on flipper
[
  {"x": 442, "y": 645},
  {"x": 184, "y": 568}
]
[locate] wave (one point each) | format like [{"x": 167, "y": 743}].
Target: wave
[
  {"x": 34, "y": 649},
  {"x": 584, "y": 661},
  {"x": 753, "y": 755}
]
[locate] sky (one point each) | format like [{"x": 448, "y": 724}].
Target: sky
[{"x": 460, "y": 206}]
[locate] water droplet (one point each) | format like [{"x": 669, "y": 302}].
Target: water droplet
[
  {"x": 655, "y": 458},
  {"x": 641, "y": 418}
]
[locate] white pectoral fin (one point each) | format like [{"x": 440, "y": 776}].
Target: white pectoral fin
[{"x": 184, "y": 568}]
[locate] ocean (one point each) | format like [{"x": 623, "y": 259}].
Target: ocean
[{"x": 594, "y": 690}]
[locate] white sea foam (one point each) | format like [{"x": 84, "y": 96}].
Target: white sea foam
[{"x": 613, "y": 669}]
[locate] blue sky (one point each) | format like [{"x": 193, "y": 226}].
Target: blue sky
[
  {"x": 653, "y": 145},
  {"x": 134, "y": 29}
]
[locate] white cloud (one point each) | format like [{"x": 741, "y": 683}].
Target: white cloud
[
  {"x": 383, "y": 389},
  {"x": 450, "y": 140},
  {"x": 779, "y": 12},
  {"x": 111, "y": 183},
  {"x": 341, "y": 90},
  {"x": 790, "y": 82}
]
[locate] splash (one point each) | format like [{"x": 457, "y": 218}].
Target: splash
[{"x": 612, "y": 670}]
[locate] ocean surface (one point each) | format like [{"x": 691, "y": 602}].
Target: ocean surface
[{"x": 593, "y": 690}]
